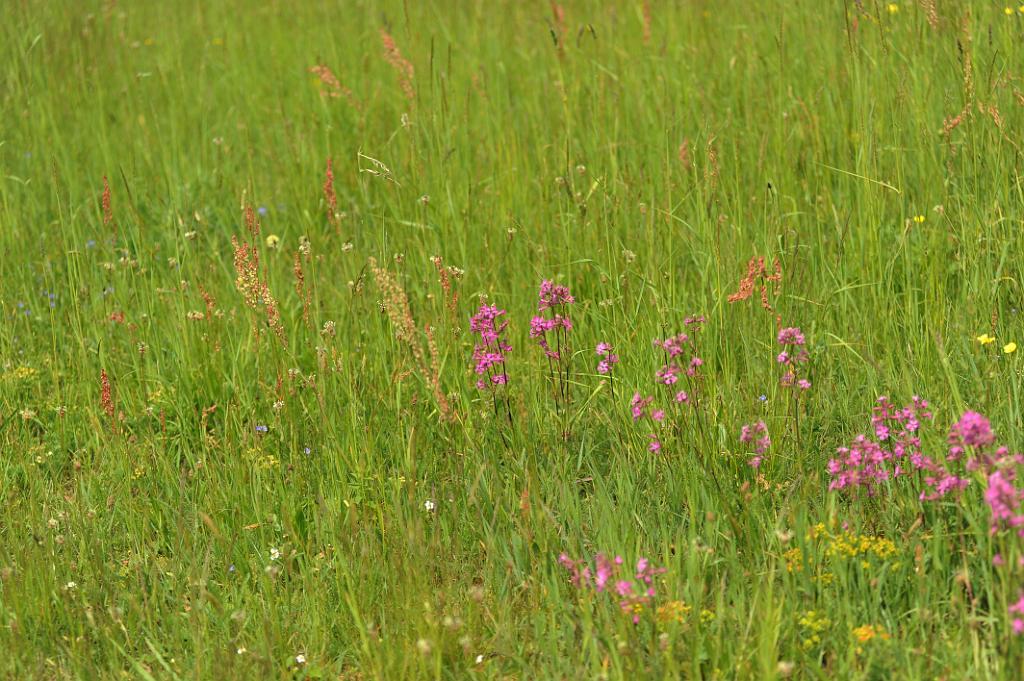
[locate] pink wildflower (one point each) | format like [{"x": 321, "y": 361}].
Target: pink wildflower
[{"x": 974, "y": 429}]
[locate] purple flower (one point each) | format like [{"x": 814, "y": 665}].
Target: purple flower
[
  {"x": 791, "y": 335},
  {"x": 552, "y": 295},
  {"x": 638, "y": 405},
  {"x": 608, "y": 361},
  {"x": 489, "y": 352},
  {"x": 756, "y": 434},
  {"x": 974, "y": 429},
  {"x": 667, "y": 375}
]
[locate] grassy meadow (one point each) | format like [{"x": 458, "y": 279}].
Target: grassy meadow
[{"x": 256, "y": 257}]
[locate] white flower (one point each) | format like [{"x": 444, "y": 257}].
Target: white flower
[
  {"x": 241, "y": 651},
  {"x": 274, "y": 553},
  {"x": 479, "y": 659},
  {"x": 70, "y": 585},
  {"x": 429, "y": 505},
  {"x": 300, "y": 659}
]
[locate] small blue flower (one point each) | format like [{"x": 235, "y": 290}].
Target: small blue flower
[
  {"x": 262, "y": 210},
  {"x": 91, "y": 243},
  {"x": 306, "y": 450},
  {"x": 261, "y": 429},
  {"x": 762, "y": 398}
]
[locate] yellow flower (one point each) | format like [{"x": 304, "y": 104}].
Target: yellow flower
[
  {"x": 918, "y": 219},
  {"x": 869, "y": 631},
  {"x": 273, "y": 240},
  {"x": 893, "y": 8},
  {"x": 1010, "y": 347},
  {"x": 1008, "y": 11},
  {"x": 673, "y": 611},
  {"x": 985, "y": 339}
]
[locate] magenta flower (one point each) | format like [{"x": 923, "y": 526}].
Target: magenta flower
[
  {"x": 1004, "y": 500},
  {"x": 638, "y": 405},
  {"x": 603, "y": 572},
  {"x": 667, "y": 375},
  {"x": 489, "y": 352},
  {"x": 608, "y": 359},
  {"x": 792, "y": 356},
  {"x": 791, "y": 336},
  {"x": 631, "y": 594},
  {"x": 552, "y": 334},
  {"x": 553, "y": 295},
  {"x": 756, "y": 435},
  {"x": 974, "y": 429},
  {"x": 674, "y": 346}
]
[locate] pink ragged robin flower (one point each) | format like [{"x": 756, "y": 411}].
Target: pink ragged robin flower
[
  {"x": 756, "y": 435},
  {"x": 608, "y": 358},
  {"x": 490, "y": 350}
]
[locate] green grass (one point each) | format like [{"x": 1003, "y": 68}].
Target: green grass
[{"x": 535, "y": 147}]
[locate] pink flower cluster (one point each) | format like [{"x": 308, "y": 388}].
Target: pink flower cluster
[
  {"x": 556, "y": 297},
  {"x": 756, "y": 435},
  {"x": 610, "y": 577},
  {"x": 1017, "y": 609},
  {"x": 681, "y": 363},
  {"x": 489, "y": 353},
  {"x": 970, "y": 450},
  {"x": 639, "y": 407},
  {"x": 553, "y": 295},
  {"x": 541, "y": 326},
  {"x": 677, "y": 348},
  {"x": 792, "y": 358},
  {"x": 608, "y": 359},
  {"x": 868, "y": 462}
]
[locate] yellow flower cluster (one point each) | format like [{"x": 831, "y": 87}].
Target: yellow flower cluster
[
  {"x": 813, "y": 624},
  {"x": 868, "y": 632},
  {"x": 673, "y": 611},
  {"x": 794, "y": 560},
  {"x": 267, "y": 461},
  {"x": 849, "y": 545},
  {"x": 260, "y": 460},
  {"x": 20, "y": 374},
  {"x": 843, "y": 545}
]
